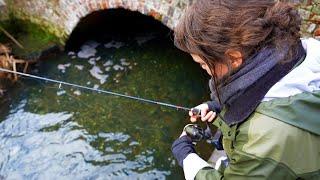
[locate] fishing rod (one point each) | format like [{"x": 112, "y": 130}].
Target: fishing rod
[
  {"x": 97, "y": 90},
  {"x": 195, "y": 132}
]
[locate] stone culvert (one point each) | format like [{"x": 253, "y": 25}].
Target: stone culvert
[{"x": 61, "y": 16}]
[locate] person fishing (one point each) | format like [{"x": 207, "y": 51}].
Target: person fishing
[{"x": 265, "y": 90}]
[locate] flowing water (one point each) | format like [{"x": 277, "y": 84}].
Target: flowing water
[{"x": 52, "y": 132}]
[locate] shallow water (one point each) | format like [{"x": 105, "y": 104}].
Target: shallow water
[{"x": 47, "y": 132}]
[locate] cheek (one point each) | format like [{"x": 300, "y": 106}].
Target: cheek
[{"x": 221, "y": 70}]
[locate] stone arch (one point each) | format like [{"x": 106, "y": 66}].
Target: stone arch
[
  {"x": 61, "y": 16},
  {"x": 159, "y": 10}
]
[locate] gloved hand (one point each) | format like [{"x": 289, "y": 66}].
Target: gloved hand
[{"x": 181, "y": 148}]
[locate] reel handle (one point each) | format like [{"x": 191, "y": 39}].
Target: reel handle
[{"x": 196, "y": 112}]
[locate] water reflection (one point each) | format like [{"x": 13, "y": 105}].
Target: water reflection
[
  {"x": 34, "y": 151},
  {"x": 64, "y": 133}
]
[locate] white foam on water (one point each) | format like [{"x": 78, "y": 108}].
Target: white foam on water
[
  {"x": 92, "y": 61},
  {"x": 108, "y": 63},
  {"x": 88, "y": 49},
  {"x": 71, "y": 53},
  {"x": 86, "y": 52},
  {"x": 97, "y": 73},
  {"x": 92, "y": 44},
  {"x": 59, "y": 93},
  {"x": 79, "y": 67},
  {"x": 123, "y": 62},
  {"x": 96, "y": 86},
  {"x": 63, "y": 67},
  {"x": 114, "y": 44},
  {"x": 118, "y": 67},
  {"x": 77, "y": 92},
  {"x": 143, "y": 39}
]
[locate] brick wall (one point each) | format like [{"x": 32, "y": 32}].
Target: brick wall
[{"x": 61, "y": 16}]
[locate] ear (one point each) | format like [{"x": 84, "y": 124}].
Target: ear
[{"x": 235, "y": 57}]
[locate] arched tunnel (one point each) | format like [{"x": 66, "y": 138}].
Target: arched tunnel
[{"x": 118, "y": 23}]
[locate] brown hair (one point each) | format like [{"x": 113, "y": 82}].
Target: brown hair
[{"x": 210, "y": 27}]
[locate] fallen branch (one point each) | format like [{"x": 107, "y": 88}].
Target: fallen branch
[{"x": 11, "y": 37}]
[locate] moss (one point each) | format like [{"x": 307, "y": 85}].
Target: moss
[{"x": 33, "y": 38}]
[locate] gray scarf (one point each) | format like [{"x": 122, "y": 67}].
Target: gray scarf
[{"x": 245, "y": 89}]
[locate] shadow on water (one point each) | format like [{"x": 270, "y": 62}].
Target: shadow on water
[{"x": 50, "y": 133}]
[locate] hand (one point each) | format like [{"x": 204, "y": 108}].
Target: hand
[
  {"x": 182, "y": 147},
  {"x": 205, "y": 115},
  {"x": 183, "y": 134}
]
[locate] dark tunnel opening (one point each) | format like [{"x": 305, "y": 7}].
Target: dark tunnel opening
[{"x": 105, "y": 25}]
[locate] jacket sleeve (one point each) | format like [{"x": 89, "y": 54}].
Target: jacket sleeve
[
  {"x": 265, "y": 148},
  {"x": 208, "y": 173},
  {"x": 193, "y": 165}
]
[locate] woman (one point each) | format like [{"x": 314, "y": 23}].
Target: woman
[{"x": 265, "y": 80}]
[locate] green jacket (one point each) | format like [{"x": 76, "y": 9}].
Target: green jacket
[
  {"x": 280, "y": 140},
  {"x": 273, "y": 143}
]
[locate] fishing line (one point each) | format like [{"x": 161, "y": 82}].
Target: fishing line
[{"x": 97, "y": 90}]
